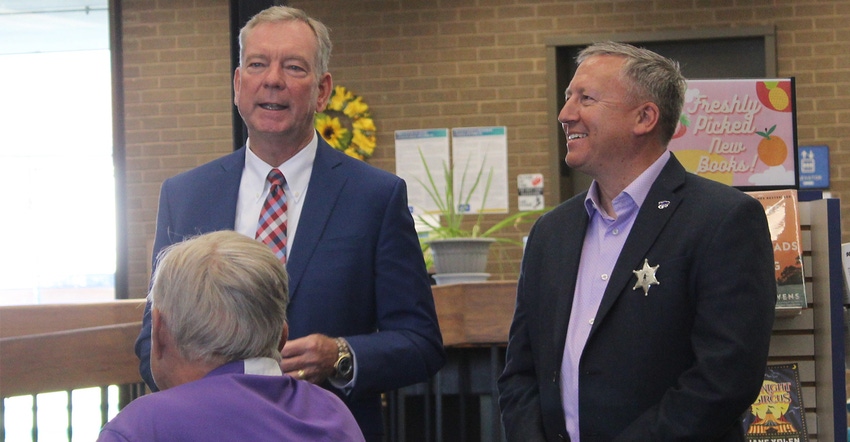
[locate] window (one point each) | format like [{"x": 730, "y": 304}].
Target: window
[{"x": 57, "y": 186}]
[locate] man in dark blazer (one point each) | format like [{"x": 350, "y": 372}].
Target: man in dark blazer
[
  {"x": 361, "y": 314},
  {"x": 645, "y": 305}
]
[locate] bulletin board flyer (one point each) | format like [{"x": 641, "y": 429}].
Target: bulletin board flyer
[{"x": 740, "y": 132}]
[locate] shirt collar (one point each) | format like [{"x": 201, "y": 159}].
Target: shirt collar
[
  {"x": 296, "y": 169},
  {"x": 258, "y": 366},
  {"x": 637, "y": 190}
]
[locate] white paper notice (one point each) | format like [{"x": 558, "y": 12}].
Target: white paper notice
[
  {"x": 434, "y": 146},
  {"x": 474, "y": 146},
  {"x": 530, "y": 191}
]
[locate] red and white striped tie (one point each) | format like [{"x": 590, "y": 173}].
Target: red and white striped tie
[{"x": 271, "y": 228}]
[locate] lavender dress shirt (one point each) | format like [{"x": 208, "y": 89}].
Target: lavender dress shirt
[{"x": 603, "y": 242}]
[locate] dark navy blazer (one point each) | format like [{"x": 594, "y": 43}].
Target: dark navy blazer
[{"x": 680, "y": 363}]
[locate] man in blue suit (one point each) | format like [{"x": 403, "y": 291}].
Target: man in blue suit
[
  {"x": 645, "y": 305},
  {"x": 361, "y": 313}
]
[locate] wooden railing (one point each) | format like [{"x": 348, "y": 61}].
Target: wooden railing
[{"x": 45, "y": 348}]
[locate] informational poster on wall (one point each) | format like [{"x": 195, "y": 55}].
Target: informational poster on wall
[
  {"x": 740, "y": 132},
  {"x": 411, "y": 146},
  {"x": 481, "y": 152},
  {"x": 476, "y": 154}
]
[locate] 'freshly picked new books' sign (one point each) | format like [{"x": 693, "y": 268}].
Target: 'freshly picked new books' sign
[{"x": 741, "y": 132}]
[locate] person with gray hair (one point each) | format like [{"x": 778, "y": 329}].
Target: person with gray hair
[
  {"x": 218, "y": 309},
  {"x": 362, "y": 317},
  {"x": 644, "y": 305}
]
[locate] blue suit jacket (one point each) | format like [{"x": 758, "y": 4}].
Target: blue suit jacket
[
  {"x": 356, "y": 269},
  {"x": 681, "y": 363}
]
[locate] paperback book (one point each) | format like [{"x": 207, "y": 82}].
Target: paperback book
[
  {"x": 782, "y": 211},
  {"x": 778, "y": 414}
]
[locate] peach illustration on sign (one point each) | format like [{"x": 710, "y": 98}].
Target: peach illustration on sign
[
  {"x": 775, "y": 95},
  {"x": 772, "y": 149},
  {"x": 682, "y": 127}
]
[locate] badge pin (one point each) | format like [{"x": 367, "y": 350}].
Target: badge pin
[
  {"x": 646, "y": 277},
  {"x": 663, "y": 204}
]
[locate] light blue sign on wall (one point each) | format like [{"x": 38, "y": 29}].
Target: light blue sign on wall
[{"x": 814, "y": 167}]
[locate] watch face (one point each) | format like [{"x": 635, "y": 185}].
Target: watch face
[{"x": 344, "y": 366}]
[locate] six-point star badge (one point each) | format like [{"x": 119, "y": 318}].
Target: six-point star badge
[{"x": 646, "y": 277}]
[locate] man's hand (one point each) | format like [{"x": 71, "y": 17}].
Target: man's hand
[{"x": 310, "y": 358}]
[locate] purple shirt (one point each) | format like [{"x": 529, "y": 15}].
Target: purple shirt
[
  {"x": 603, "y": 243},
  {"x": 229, "y": 405}
]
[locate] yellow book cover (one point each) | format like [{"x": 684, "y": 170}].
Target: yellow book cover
[
  {"x": 778, "y": 415},
  {"x": 782, "y": 211}
]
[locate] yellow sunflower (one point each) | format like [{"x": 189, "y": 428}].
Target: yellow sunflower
[
  {"x": 347, "y": 125},
  {"x": 339, "y": 97},
  {"x": 332, "y": 131}
]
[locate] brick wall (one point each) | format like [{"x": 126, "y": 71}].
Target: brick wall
[
  {"x": 426, "y": 63},
  {"x": 177, "y": 87}
]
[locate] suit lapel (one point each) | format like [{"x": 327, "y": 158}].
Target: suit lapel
[
  {"x": 660, "y": 204},
  {"x": 232, "y": 167},
  {"x": 326, "y": 183}
]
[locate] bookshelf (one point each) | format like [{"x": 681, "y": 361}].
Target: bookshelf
[{"x": 814, "y": 337}]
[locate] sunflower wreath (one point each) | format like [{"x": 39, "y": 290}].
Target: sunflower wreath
[{"x": 347, "y": 125}]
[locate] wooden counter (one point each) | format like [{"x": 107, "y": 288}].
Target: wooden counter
[{"x": 477, "y": 313}]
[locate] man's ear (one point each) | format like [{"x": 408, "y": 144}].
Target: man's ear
[
  {"x": 326, "y": 87},
  {"x": 647, "y": 118},
  {"x": 158, "y": 334},
  {"x": 284, "y": 335},
  {"x": 237, "y": 84}
]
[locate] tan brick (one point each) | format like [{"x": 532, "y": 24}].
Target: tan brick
[
  {"x": 459, "y": 82},
  {"x": 462, "y": 54},
  {"x": 515, "y": 12}
]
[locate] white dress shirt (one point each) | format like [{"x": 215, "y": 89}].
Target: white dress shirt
[{"x": 254, "y": 189}]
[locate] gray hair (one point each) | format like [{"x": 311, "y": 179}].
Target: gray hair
[
  {"x": 284, "y": 14},
  {"x": 649, "y": 77},
  {"x": 224, "y": 297}
]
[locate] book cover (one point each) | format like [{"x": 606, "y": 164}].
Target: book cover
[
  {"x": 782, "y": 211},
  {"x": 778, "y": 414},
  {"x": 845, "y": 262}
]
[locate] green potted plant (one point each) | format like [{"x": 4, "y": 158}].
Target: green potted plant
[{"x": 456, "y": 252}]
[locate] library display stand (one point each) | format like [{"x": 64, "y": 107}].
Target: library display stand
[{"x": 814, "y": 336}]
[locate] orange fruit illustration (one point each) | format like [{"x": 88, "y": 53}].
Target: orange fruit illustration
[{"x": 772, "y": 150}]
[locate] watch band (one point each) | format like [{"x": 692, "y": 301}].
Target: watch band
[
  {"x": 341, "y": 346},
  {"x": 344, "y": 365}
]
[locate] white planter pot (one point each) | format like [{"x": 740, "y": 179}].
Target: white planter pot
[
  {"x": 460, "y": 255},
  {"x": 458, "y": 278}
]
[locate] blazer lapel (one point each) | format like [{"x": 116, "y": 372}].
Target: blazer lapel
[
  {"x": 326, "y": 183},
  {"x": 660, "y": 204},
  {"x": 232, "y": 167}
]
